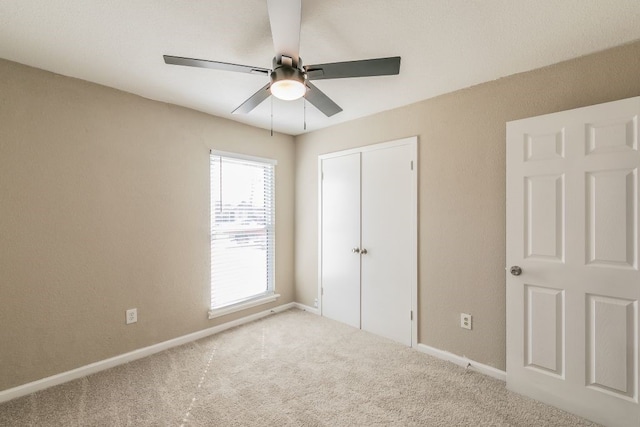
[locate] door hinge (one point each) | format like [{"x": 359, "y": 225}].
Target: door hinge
[
  {"x": 411, "y": 164},
  {"x": 411, "y": 316},
  {"x": 321, "y": 291}
]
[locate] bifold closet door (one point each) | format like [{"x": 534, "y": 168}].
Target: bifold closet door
[
  {"x": 340, "y": 238},
  {"x": 387, "y": 266}
]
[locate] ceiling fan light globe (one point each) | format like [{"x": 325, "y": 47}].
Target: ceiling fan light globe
[
  {"x": 288, "y": 83},
  {"x": 288, "y": 90}
]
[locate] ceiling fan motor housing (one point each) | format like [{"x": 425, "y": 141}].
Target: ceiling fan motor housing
[{"x": 284, "y": 72}]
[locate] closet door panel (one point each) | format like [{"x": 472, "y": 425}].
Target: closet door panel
[
  {"x": 387, "y": 275},
  {"x": 340, "y": 235}
]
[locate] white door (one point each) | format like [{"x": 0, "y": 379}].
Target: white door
[
  {"x": 572, "y": 229},
  {"x": 387, "y": 242},
  {"x": 340, "y": 235},
  {"x": 368, "y": 238}
]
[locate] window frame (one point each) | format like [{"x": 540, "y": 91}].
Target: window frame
[{"x": 264, "y": 297}]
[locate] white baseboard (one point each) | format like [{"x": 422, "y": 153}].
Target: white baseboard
[
  {"x": 440, "y": 354},
  {"x": 306, "y": 308},
  {"x": 463, "y": 361},
  {"x": 102, "y": 365}
]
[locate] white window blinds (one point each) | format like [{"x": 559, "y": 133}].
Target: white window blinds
[{"x": 242, "y": 228}]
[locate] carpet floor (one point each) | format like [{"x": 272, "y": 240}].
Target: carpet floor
[{"x": 289, "y": 369}]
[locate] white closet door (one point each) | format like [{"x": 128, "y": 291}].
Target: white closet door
[
  {"x": 340, "y": 234},
  {"x": 572, "y": 237},
  {"x": 389, "y": 262}
]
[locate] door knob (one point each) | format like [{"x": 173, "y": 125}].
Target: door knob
[
  {"x": 363, "y": 252},
  {"x": 355, "y": 250},
  {"x": 515, "y": 270}
]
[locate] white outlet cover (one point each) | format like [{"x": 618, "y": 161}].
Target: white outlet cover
[
  {"x": 465, "y": 320},
  {"x": 132, "y": 316}
]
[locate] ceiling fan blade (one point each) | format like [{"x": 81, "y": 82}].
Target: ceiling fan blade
[
  {"x": 284, "y": 16},
  {"x": 321, "y": 101},
  {"x": 363, "y": 68},
  {"x": 215, "y": 65},
  {"x": 253, "y": 101}
]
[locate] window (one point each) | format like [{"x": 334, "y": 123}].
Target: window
[{"x": 242, "y": 232}]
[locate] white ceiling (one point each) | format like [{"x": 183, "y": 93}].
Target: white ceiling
[{"x": 445, "y": 45}]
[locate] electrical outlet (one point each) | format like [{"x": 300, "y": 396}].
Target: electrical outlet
[
  {"x": 465, "y": 320},
  {"x": 132, "y": 315},
  {"x": 315, "y": 303}
]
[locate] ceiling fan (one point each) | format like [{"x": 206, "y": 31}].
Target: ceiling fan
[{"x": 289, "y": 79}]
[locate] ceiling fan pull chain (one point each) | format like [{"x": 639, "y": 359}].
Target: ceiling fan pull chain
[
  {"x": 272, "y": 116},
  {"x": 305, "y": 112}
]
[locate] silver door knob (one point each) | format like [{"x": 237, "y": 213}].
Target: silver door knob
[
  {"x": 363, "y": 252},
  {"x": 355, "y": 250},
  {"x": 515, "y": 270}
]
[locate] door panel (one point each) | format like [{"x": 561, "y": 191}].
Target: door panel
[
  {"x": 611, "y": 217},
  {"x": 611, "y": 332},
  {"x": 340, "y": 234},
  {"x": 572, "y": 225},
  {"x": 544, "y": 217},
  {"x": 387, "y": 204},
  {"x": 544, "y": 332}
]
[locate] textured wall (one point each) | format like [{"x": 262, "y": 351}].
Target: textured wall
[
  {"x": 104, "y": 206},
  {"x": 461, "y": 189}
]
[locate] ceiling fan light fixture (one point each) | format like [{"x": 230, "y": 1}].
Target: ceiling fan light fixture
[{"x": 288, "y": 83}]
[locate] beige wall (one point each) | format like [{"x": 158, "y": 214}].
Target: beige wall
[
  {"x": 104, "y": 206},
  {"x": 461, "y": 189}
]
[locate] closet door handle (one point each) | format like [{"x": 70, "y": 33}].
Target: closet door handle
[
  {"x": 363, "y": 252},
  {"x": 355, "y": 250}
]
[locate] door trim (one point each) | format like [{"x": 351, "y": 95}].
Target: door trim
[{"x": 413, "y": 142}]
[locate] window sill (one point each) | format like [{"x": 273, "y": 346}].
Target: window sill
[{"x": 264, "y": 299}]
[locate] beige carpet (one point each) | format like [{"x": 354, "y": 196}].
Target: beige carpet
[{"x": 289, "y": 369}]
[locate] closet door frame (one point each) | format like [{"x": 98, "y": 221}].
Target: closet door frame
[{"x": 413, "y": 249}]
